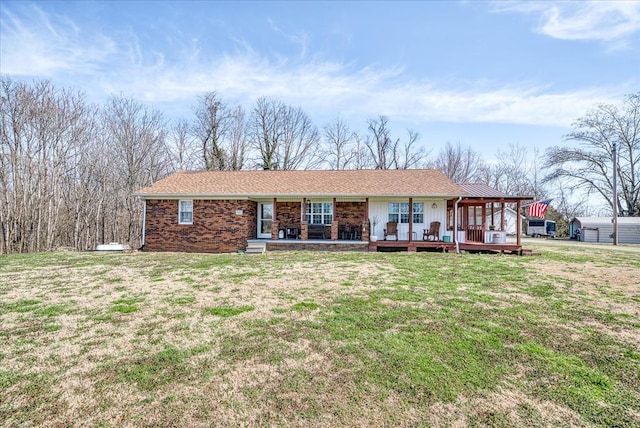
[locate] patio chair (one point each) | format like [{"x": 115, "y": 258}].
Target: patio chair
[
  {"x": 391, "y": 230},
  {"x": 433, "y": 234}
]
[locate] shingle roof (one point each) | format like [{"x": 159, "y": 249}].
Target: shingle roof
[{"x": 409, "y": 182}]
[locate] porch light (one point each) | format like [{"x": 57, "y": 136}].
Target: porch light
[{"x": 434, "y": 206}]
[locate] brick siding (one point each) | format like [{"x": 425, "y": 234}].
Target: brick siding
[
  {"x": 275, "y": 246},
  {"x": 216, "y": 227},
  {"x": 288, "y": 214},
  {"x": 351, "y": 213}
]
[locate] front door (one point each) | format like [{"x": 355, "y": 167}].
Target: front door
[{"x": 265, "y": 219}]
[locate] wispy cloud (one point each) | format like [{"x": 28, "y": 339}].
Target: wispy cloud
[
  {"x": 46, "y": 44},
  {"x": 607, "y": 21},
  {"x": 300, "y": 38},
  {"x": 52, "y": 46},
  {"x": 324, "y": 88}
]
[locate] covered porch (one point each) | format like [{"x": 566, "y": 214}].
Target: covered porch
[
  {"x": 475, "y": 222},
  {"x": 313, "y": 220},
  {"x": 479, "y": 219}
]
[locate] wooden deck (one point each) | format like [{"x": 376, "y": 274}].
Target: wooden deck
[
  {"x": 413, "y": 246},
  {"x": 390, "y": 246}
]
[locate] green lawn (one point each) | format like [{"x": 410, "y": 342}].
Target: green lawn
[{"x": 321, "y": 339}]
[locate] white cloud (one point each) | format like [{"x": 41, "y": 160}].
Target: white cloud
[
  {"x": 46, "y": 44},
  {"x": 327, "y": 88},
  {"x": 607, "y": 21},
  {"x": 54, "y": 47}
]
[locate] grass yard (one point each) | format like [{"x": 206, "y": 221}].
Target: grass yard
[{"x": 321, "y": 339}]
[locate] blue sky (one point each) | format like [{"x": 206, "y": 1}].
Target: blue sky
[{"x": 485, "y": 74}]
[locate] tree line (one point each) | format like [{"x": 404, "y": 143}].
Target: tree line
[{"x": 69, "y": 168}]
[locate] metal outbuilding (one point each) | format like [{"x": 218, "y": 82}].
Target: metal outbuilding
[{"x": 600, "y": 229}]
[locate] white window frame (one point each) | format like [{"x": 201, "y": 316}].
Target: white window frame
[
  {"x": 418, "y": 210},
  {"x": 322, "y": 210},
  {"x": 398, "y": 212},
  {"x": 184, "y": 210}
]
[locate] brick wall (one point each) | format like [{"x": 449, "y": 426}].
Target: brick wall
[
  {"x": 216, "y": 227},
  {"x": 301, "y": 246},
  {"x": 352, "y": 213},
  {"x": 288, "y": 214}
]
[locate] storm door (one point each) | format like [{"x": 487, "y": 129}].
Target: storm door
[{"x": 265, "y": 219}]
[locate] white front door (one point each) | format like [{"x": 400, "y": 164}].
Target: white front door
[{"x": 265, "y": 219}]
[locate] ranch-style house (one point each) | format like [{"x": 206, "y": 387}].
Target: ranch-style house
[{"x": 366, "y": 210}]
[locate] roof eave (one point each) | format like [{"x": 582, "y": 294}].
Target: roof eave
[{"x": 289, "y": 195}]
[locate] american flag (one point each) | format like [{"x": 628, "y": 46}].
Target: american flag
[{"x": 537, "y": 209}]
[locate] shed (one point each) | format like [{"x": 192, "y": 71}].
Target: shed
[{"x": 600, "y": 229}]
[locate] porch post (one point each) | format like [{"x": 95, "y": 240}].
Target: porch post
[
  {"x": 502, "y": 212},
  {"x": 410, "y": 219},
  {"x": 493, "y": 220},
  {"x": 518, "y": 223},
  {"x": 484, "y": 221},
  {"x": 275, "y": 223},
  {"x": 366, "y": 228},
  {"x": 334, "y": 223},
  {"x": 304, "y": 227}
]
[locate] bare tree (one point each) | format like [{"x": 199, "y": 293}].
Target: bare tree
[
  {"x": 517, "y": 172},
  {"x": 361, "y": 158},
  {"x": 182, "y": 145},
  {"x": 42, "y": 135},
  {"x": 265, "y": 130},
  {"x": 460, "y": 164},
  {"x": 210, "y": 127},
  {"x": 238, "y": 140},
  {"x": 407, "y": 155},
  {"x": 283, "y": 136},
  {"x": 137, "y": 148},
  {"x": 300, "y": 143},
  {"x": 380, "y": 144},
  {"x": 389, "y": 153},
  {"x": 590, "y": 165},
  {"x": 567, "y": 205},
  {"x": 340, "y": 144}
]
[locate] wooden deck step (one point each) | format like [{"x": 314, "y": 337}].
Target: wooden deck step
[{"x": 256, "y": 247}]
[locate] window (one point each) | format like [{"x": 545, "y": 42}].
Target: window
[
  {"x": 399, "y": 212},
  {"x": 320, "y": 213},
  {"x": 418, "y": 212},
  {"x": 404, "y": 212},
  {"x": 185, "y": 212},
  {"x": 394, "y": 212}
]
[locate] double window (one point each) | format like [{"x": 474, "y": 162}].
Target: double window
[
  {"x": 185, "y": 212},
  {"x": 399, "y": 212},
  {"x": 320, "y": 213}
]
